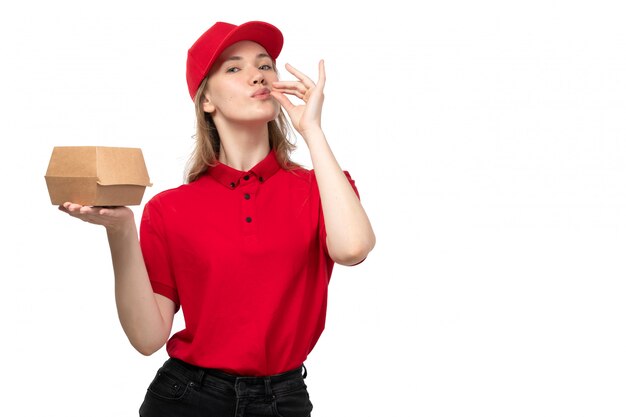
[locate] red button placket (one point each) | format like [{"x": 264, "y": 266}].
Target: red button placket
[{"x": 248, "y": 186}]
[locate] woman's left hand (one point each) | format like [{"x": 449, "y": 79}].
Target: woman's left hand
[{"x": 307, "y": 116}]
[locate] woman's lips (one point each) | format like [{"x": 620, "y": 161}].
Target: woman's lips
[{"x": 261, "y": 93}]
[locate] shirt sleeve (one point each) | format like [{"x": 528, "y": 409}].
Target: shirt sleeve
[
  {"x": 322, "y": 228},
  {"x": 156, "y": 254}
]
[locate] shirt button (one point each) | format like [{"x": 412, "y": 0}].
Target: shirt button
[
  {"x": 246, "y": 177},
  {"x": 248, "y": 219},
  {"x": 232, "y": 185},
  {"x": 261, "y": 179},
  {"x": 246, "y": 196}
]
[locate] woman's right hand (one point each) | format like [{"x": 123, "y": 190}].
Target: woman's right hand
[{"x": 112, "y": 218}]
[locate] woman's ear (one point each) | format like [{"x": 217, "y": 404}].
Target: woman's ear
[{"x": 207, "y": 106}]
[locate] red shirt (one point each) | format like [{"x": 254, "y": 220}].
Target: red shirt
[{"x": 244, "y": 254}]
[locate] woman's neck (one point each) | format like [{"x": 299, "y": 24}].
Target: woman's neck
[{"x": 243, "y": 149}]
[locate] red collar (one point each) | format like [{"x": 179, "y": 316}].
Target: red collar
[{"x": 231, "y": 177}]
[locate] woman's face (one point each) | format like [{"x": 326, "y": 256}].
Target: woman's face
[{"x": 239, "y": 84}]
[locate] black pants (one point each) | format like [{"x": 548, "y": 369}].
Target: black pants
[{"x": 183, "y": 390}]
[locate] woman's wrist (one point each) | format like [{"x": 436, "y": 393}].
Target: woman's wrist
[
  {"x": 121, "y": 229},
  {"x": 313, "y": 134}
]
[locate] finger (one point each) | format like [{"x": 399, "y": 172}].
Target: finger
[
  {"x": 282, "y": 100},
  {"x": 88, "y": 210},
  {"x": 107, "y": 210},
  {"x": 321, "y": 80},
  {"x": 290, "y": 92},
  {"x": 71, "y": 209},
  {"x": 293, "y": 85},
  {"x": 300, "y": 75},
  {"x": 71, "y": 206},
  {"x": 289, "y": 86},
  {"x": 74, "y": 209}
]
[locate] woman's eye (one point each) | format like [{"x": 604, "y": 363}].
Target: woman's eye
[
  {"x": 232, "y": 69},
  {"x": 265, "y": 67}
]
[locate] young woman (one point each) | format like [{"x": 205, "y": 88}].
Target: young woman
[{"x": 245, "y": 247}]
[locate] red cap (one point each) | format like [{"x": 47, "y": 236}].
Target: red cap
[{"x": 220, "y": 36}]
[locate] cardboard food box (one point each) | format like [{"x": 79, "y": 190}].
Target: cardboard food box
[{"x": 97, "y": 176}]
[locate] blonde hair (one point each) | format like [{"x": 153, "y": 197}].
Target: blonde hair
[{"x": 207, "y": 140}]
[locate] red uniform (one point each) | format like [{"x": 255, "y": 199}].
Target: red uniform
[{"x": 244, "y": 254}]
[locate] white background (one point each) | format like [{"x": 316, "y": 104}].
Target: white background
[{"x": 487, "y": 139}]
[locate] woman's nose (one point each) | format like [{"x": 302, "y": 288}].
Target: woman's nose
[{"x": 258, "y": 78}]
